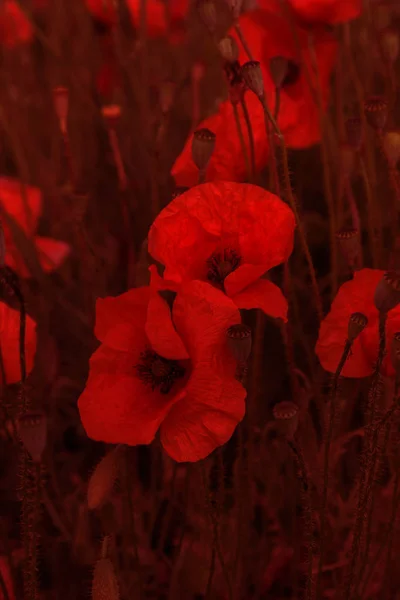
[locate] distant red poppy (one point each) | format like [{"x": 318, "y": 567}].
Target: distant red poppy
[
  {"x": 356, "y": 295},
  {"x": 24, "y": 205},
  {"x": 174, "y": 374},
  {"x": 228, "y": 234},
  {"x": 9, "y": 343},
  {"x": 15, "y": 28},
  {"x": 325, "y": 11},
  {"x": 268, "y": 34}
]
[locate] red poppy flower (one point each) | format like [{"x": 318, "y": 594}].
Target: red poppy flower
[
  {"x": 268, "y": 34},
  {"x": 356, "y": 295},
  {"x": 15, "y": 27},
  {"x": 325, "y": 11},
  {"x": 24, "y": 205},
  {"x": 9, "y": 343},
  {"x": 174, "y": 374},
  {"x": 229, "y": 234}
]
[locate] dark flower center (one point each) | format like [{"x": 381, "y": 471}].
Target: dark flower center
[
  {"x": 222, "y": 264},
  {"x": 158, "y": 372}
]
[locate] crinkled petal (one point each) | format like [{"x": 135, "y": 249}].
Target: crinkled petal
[
  {"x": 22, "y": 202},
  {"x": 353, "y": 296},
  {"x": 115, "y": 406},
  {"x": 160, "y": 329},
  {"x": 265, "y": 295},
  {"x": 9, "y": 343},
  {"x": 52, "y": 253}
]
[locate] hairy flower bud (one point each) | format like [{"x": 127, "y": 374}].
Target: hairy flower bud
[
  {"x": 376, "y": 112},
  {"x": 354, "y": 132},
  {"x": 239, "y": 341},
  {"x": 279, "y": 68},
  {"x": 253, "y": 77},
  {"x": 103, "y": 479},
  {"x": 32, "y": 430},
  {"x": 203, "y": 145},
  {"x": 286, "y": 414},
  {"x": 229, "y": 49},
  {"x": 387, "y": 292},
  {"x": 357, "y": 323}
]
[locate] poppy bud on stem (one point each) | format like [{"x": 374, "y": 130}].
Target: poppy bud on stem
[{"x": 112, "y": 114}]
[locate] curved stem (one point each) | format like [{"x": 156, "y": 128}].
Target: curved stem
[{"x": 251, "y": 136}]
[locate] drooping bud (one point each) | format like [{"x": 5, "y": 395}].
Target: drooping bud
[
  {"x": 357, "y": 323},
  {"x": 207, "y": 12},
  {"x": 387, "y": 292},
  {"x": 105, "y": 583},
  {"x": 349, "y": 243},
  {"x": 32, "y": 430},
  {"x": 103, "y": 479},
  {"x": 347, "y": 160},
  {"x": 178, "y": 191},
  {"x": 391, "y": 146},
  {"x": 376, "y": 112},
  {"x": 253, "y": 78},
  {"x": 229, "y": 49},
  {"x": 203, "y": 145},
  {"x": 278, "y": 67},
  {"x": 354, "y": 132},
  {"x": 286, "y": 414},
  {"x": 395, "y": 352},
  {"x": 390, "y": 44},
  {"x": 239, "y": 341},
  {"x": 61, "y": 106}
]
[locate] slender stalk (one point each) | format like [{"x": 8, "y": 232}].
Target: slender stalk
[
  {"x": 251, "y": 137},
  {"x": 242, "y": 141},
  {"x": 131, "y": 521},
  {"x": 243, "y": 41}
]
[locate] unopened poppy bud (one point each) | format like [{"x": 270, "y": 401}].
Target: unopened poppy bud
[
  {"x": 103, "y": 479},
  {"x": 349, "y": 243},
  {"x": 390, "y": 44},
  {"x": 178, "y": 191},
  {"x": 387, "y": 292},
  {"x": 347, "y": 160},
  {"x": 376, "y": 112},
  {"x": 203, "y": 145},
  {"x": 105, "y": 583},
  {"x": 253, "y": 78},
  {"x": 354, "y": 132},
  {"x": 111, "y": 114},
  {"x": 286, "y": 414},
  {"x": 207, "y": 11},
  {"x": 61, "y": 105},
  {"x": 229, "y": 49},
  {"x": 357, "y": 323},
  {"x": 32, "y": 430},
  {"x": 395, "y": 352},
  {"x": 278, "y": 67},
  {"x": 239, "y": 341},
  {"x": 391, "y": 146}
]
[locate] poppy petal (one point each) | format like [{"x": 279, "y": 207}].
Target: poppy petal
[
  {"x": 15, "y": 28},
  {"x": 115, "y": 406},
  {"x": 326, "y": 11},
  {"x": 22, "y": 202},
  {"x": 9, "y": 343},
  {"x": 52, "y": 253},
  {"x": 265, "y": 295}
]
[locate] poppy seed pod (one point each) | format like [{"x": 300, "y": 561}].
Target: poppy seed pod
[
  {"x": 253, "y": 78},
  {"x": 105, "y": 583},
  {"x": 395, "y": 352},
  {"x": 387, "y": 292},
  {"x": 390, "y": 44},
  {"x": 229, "y": 49},
  {"x": 239, "y": 342},
  {"x": 357, "y": 323},
  {"x": 349, "y": 242},
  {"x": 376, "y": 112},
  {"x": 203, "y": 145},
  {"x": 286, "y": 414},
  {"x": 207, "y": 12},
  {"x": 278, "y": 67},
  {"x": 354, "y": 132},
  {"x": 32, "y": 430},
  {"x": 103, "y": 479},
  {"x": 391, "y": 145}
]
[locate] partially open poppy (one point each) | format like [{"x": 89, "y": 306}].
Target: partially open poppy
[
  {"x": 228, "y": 234},
  {"x": 175, "y": 374},
  {"x": 268, "y": 34},
  {"x": 23, "y": 203},
  {"x": 15, "y": 28},
  {"x": 10, "y": 344},
  {"x": 354, "y": 296}
]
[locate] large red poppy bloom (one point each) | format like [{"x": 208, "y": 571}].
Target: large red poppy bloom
[
  {"x": 268, "y": 34},
  {"x": 228, "y": 234},
  {"x": 9, "y": 343},
  {"x": 15, "y": 27},
  {"x": 173, "y": 373},
  {"x": 24, "y": 204},
  {"x": 356, "y": 295}
]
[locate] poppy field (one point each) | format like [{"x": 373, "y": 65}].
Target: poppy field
[{"x": 199, "y": 300}]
